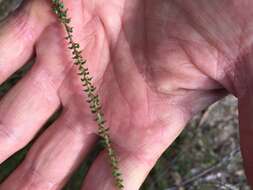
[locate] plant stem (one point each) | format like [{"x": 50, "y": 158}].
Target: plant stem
[{"x": 90, "y": 90}]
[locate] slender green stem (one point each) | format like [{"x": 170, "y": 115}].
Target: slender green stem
[{"x": 89, "y": 89}]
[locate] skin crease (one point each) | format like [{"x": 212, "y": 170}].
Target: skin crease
[{"x": 155, "y": 63}]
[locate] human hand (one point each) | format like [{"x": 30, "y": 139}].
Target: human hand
[{"x": 155, "y": 63}]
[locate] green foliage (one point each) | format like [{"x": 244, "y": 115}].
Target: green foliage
[{"x": 89, "y": 89}]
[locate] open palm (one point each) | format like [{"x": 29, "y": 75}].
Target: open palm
[{"x": 155, "y": 64}]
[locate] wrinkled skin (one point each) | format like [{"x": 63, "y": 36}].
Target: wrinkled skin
[{"x": 156, "y": 63}]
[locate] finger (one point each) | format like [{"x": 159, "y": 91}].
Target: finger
[
  {"x": 244, "y": 91},
  {"x": 24, "y": 110},
  {"x": 246, "y": 133},
  {"x": 34, "y": 99},
  {"x": 18, "y": 35},
  {"x": 54, "y": 156}
]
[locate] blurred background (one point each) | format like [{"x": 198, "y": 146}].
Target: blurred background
[{"x": 206, "y": 156}]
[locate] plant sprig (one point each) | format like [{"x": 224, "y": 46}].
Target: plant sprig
[{"x": 89, "y": 89}]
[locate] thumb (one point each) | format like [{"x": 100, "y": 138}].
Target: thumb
[
  {"x": 245, "y": 92},
  {"x": 246, "y": 133}
]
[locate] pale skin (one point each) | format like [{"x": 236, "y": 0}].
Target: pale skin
[{"x": 155, "y": 63}]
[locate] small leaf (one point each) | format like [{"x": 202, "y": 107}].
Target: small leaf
[
  {"x": 76, "y": 45},
  {"x": 55, "y": 10},
  {"x": 56, "y": 1},
  {"x": 83, "y": 62},
  {"x": 69, "y": 29},
  {"x": 61, "y": 5},
  {"x": 68, "y": 37}
]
